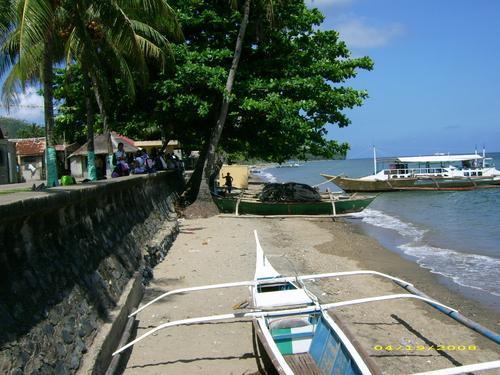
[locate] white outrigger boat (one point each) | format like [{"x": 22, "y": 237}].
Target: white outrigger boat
[
  {"x": 297, "y": 331},
  {"x": 434, "y": 172}
]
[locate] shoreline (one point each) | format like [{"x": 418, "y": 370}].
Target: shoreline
[
  {"x": 370, "y": 254},
  {"x": 218, "y": 249}
]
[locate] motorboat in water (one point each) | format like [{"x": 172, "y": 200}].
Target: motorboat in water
[{"x": 434, "y": 172}]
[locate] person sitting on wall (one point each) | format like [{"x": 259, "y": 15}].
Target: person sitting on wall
[
  {"x": 156, "y": 157},
  {"x": 139, "y": 163},
  {"x": 148, "y": 163},
  {"x": 121, "y": 158},
  {"x": 120, "y": 170}
]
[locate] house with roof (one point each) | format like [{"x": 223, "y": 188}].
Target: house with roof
[
  {"x": 8, "y": 165},
  {"x": 30, "y": 155},
  {"x": 30, "y": 158}
]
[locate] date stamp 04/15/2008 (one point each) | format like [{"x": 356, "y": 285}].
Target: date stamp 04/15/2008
[{"x": 421, "y": 348}]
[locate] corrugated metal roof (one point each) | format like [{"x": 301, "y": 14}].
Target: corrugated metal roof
[{"x": 29, "y": 146}]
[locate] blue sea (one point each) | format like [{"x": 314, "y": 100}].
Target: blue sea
[{"x": 455, "y": 235}]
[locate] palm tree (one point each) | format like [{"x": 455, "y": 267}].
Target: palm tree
[
  {"x": 124, "y": 34},
  {"x": 28, "y": 48}
]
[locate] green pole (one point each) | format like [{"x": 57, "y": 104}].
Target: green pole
[
  {"x": 91, "y": 170},
  {"x": 51, "y": 167}
]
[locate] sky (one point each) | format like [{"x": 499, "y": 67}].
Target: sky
[
  {"x": 436, "y": 81},
  {"x": 435, "y": 85}
]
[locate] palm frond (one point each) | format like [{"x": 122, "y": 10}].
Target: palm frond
[{"x": 35, "y": 18}]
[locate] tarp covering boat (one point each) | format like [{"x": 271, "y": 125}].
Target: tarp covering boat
[{"x": 289, "y": 192}]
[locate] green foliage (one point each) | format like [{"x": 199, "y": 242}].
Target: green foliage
[
  {"x": 291, "y": 82},
  {"x": 14, "y": 128},
  {"x": 134, "y": 118},
  {"x": 289, "y": 85},
  {"x": 70, "y": 120}
]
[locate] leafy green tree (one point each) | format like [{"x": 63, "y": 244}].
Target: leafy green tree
[{"x": 290, "y": 83}]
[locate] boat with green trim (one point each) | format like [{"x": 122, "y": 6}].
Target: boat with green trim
[
  {"x": 334, "y": 205},
  {"x": 291, "y": 198}
]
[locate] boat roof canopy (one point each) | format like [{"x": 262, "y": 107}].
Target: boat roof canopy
[{"x": 438, "y": 158}]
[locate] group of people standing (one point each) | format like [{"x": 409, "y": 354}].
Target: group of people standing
[{"x": 142, "y": 162}]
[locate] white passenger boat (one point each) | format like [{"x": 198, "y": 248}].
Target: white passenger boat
[
  {"x": 298, "y": 333},
  {"x": 435, "y": 172}
]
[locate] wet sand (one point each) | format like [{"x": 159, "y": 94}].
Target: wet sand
[{"x": 217, "y": 250}]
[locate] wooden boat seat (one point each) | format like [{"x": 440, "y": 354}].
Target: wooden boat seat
[{"x": 302, "y": 364}]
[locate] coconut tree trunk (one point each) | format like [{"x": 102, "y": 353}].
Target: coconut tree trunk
[
  {"x": 48, "y": 105},
  {"x": 91, "y": 169},
  {"x": 204, "y": 191}
]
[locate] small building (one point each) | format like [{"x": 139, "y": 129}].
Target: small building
[
  {"x": 104, "y": 144},
  {"x": 30, "y": 158},
  {"x": 8, "y": 165}
]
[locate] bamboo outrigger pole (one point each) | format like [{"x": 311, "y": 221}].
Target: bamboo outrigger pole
[{"x": 286, "y": 312}]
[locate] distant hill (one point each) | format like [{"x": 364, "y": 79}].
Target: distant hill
[{"x": 14, "y": 128}]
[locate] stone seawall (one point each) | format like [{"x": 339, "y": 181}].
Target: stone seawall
[{"x": 65, "y": 259}]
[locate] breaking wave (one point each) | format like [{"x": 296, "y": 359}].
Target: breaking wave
[{"x": 470, "y": 270}]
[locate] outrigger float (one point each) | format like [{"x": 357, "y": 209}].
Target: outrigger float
[
  {"x": 297, "y": 331},
  {"x": 436, "y": 172}
]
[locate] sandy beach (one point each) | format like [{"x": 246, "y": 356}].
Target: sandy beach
[{"x": 218, "y": 250}]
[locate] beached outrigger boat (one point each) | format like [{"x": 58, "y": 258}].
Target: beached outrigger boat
[
  {"x": 334, "y": 205},
  {"x": 315, "y": 203},
  {"x": 297, "y": 331},
  {"x": 436, "y": 172}
]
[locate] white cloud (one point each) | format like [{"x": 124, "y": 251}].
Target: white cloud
[
  {"x": 30, "y": 107},
  {"x": 358, "y": 34}
]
